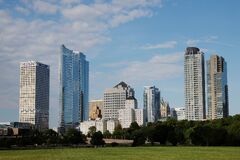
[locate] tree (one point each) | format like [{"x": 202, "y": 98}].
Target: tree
[
  {"x": 91, "y": 131},
  {"x": 51, "y": 137},
  {"x": 97, "y": 139},
  {"x": 118, "y": 132},
  {"x": 107, "y": 134},
  {"x": 74, "y": 136},
  {"x": 37, "y": 137},
  {"x": 138, "y": 138},
  {"x": 149, "y": 133},
  {"x": 161, "y": 133},
  {"x": 172, "y": 136},
  {"x": 134, "y": 126}
]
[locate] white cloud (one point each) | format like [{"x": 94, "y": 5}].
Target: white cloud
[
  {"x": 120, "y": 19},
  {"x": 39, "y": 39},
  {"x": 192, "y": 42},
  {"x": 159, "y": 67},
  {"x": 44, "y": 7},
  {"x": 208, "y": 39},
  {"x": 22, "y": 10},
  {"x": 169, "y": 44}
]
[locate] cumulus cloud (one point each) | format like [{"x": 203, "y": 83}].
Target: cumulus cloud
[
  {"x": 44, "y": 7},
  {"x": 22, "y": 10},
  {"x": 169, "y": 44},
  {"x": 38, "y": 35},
  {"x": 158, "y": 67}
]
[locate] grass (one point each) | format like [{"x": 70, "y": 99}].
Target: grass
[{"x": 125, "y": 153}]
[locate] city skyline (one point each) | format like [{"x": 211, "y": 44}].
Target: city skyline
[{"x": 137, "y": 37}]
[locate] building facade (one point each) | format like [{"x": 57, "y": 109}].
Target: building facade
[
  {"x": 194, "y": 79},
  {"x": 164, "y": 109},
  {"x": 217, "y": 88},
  {"x": 74, "y": 86},
  {"x": 34, "y": 94},
  {"x": 111, "y": 125},
  {"x": 180, "y": 113},
  {"x": 114, "y": 99},
  {"x": 140, "y": 116},
  {"x": 99, "y": 124},
  {"x": 84, "y": 126},
  {"x": 95, "y": 109},
  {"x": 127, "y": 115},
  {"x": 151, "y": 101}
]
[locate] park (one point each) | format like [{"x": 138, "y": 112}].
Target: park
[{"x": 125, "y": 153}]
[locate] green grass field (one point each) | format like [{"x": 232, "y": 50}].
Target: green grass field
[{"x": 127, "y": 153}]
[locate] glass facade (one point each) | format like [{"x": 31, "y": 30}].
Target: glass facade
[
  {"x": 74, "y": 87},
  {"x": 151, "y": 102},
  {"x": 217, "y": 88}
]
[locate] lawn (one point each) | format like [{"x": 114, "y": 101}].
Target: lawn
[{"x": 127, "y": 153}]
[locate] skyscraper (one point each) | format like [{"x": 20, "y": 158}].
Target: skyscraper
[
  {"x": 34, "y": 94},
  {"x": 114, "y": 99},
  {"x": 217, "y": 87},
  {"x": 194, "y": 76},
  {"x": 74, "y": 81},
  {"x": 151, "y": 102}
]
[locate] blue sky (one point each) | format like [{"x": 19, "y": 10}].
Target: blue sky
[{"x": 141, "y": 42}]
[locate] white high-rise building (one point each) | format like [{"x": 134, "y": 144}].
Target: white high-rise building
[
  {"x": 151, "y": 101},
  {"x": 114, "y": 99},
  {"x": 180, "y": 113},
  {"x": 127, "y": 115},
  {"x": 194, "y": 75},
  {"x": 140, "y": 116},
  {"x": 131, "y": 114},
  {"x": 34, "y": 94}
]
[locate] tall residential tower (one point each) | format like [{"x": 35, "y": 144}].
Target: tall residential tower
[
  {"x": 74, "y": 81},
  {"x": 151, "y": 102},
  {"x": 34, "y": 94},
  {"x": 217, "y": 88},
  {"x": 194, "y": 76}
]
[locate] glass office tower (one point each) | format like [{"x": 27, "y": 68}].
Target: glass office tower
[
  {"x": 151, "y": 102},
  {"x": 217, "y": 88},
  {"x": 74, "y": 86}
]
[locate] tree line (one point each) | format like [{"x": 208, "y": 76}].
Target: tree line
[{"x": 219, "y": 132}]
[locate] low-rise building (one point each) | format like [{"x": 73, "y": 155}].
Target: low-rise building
[
  {"x": 101, "y": 125},
  {"x": 84, "y": 126},
  {"x": 111, "y": 125},
  {"x": 180, "y": 112}
]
